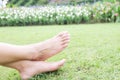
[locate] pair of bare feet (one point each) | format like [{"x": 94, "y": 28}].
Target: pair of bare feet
[{"x": 44, "y": 50}]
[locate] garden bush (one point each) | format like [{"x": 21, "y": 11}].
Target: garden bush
[
  {"x": 27, "y": 2},
  {"x": 46, "y": 15},
  {"x": 46, "y": 2}
]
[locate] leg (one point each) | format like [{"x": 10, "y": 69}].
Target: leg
[
  {"x": 10, "y": 53},
  {"x": 28, "y": 69}
]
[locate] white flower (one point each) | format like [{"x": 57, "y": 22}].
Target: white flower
[{"x": 3, "y": 3}]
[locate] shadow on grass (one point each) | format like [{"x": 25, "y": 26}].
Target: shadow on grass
[{"x": 47, "y": 75}]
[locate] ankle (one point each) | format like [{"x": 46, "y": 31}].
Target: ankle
[
  {"x": 31, "y": 52},
  {"x": 36, "y": 50}
]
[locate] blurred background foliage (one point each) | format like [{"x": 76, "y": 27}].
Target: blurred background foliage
[{"x": 46, "y": 2}]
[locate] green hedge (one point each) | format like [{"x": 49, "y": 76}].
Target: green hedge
[
  {"x": 27, "y": 2},
  {"x": 46, "y": 15},
  {"x": 44, "y": 2}
]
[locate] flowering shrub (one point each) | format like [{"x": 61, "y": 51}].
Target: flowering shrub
[
  {"x": 3, "y": 3},
  {"x": 106, "y": 12},
  {"x": 44, "y": 15}
]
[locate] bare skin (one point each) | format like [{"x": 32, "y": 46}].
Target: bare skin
[
  {"x": 12, "y": 53},
  {"x": 42, "y": 51},
  {"x": 28, "y": 69},
  {"x": 51, "y": 46}
]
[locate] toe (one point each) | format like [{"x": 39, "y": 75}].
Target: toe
[
  {"x": 65, "y": 42},
  {"x": 65, "y": 36},
  {"x": 62, "y": 33},
  {"x": 61, "y": 63},
  {"x": 65, "y": 45},
  {"x": 65, "y": 39},
  {"x": 57, "y": 65}
]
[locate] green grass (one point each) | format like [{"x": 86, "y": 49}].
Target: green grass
[
  {"x": 93, "y": 53},
  {"x": 9, "y": 74}
]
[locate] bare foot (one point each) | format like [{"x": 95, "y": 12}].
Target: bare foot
[
  {"x": 28, "y": 69},
  {"x": 51, "y": 47}
]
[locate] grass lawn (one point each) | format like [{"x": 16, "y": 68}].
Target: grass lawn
[{"x": 93, "y": 53}]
